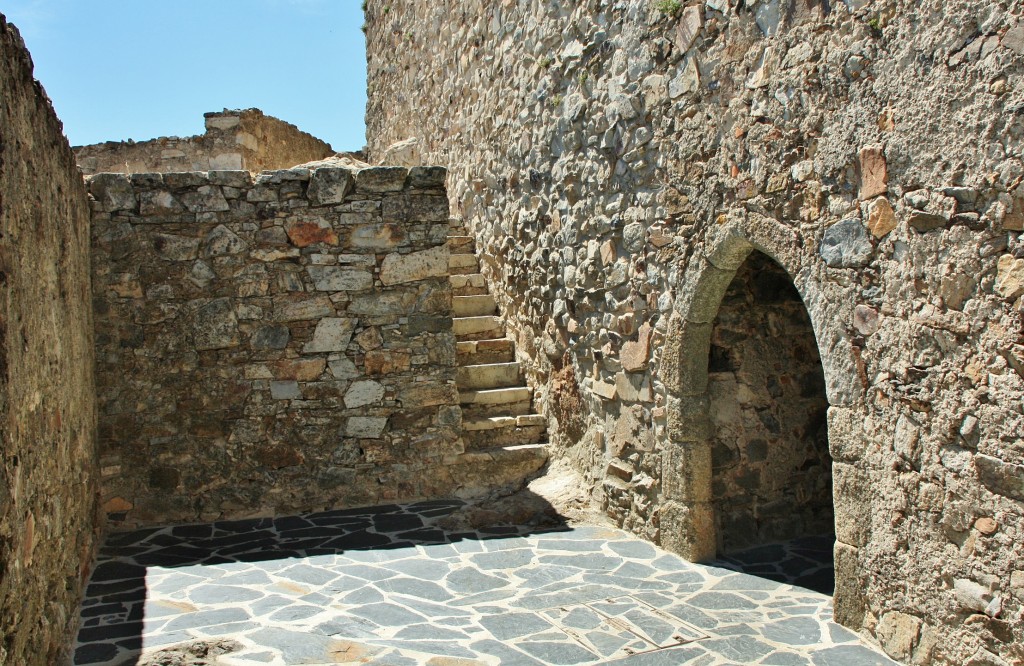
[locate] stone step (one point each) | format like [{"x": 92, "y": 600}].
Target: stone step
[
  {"x": 511, "y": 401},
  {"x": 477, "y": 328},
  {"x": 456, "y": 226},
  {"x": 463, "y": 264},
  {"x": 495, "y": 471},
  {"x": 484, "y": 433},
  {"x": 476, "y": 352},
  {"x": 477, "y": 305},
  {"x": 461, "y": 244},
  {"x": 473, "y": 284},
  {"x": 488, "y": 376}
]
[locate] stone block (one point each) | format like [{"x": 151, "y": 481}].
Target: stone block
[
  {"x": 846, "y": 245},
  {"x": 401, "y": 268},
  {"x": 1010, "y": 277},
  {"x": 362, "y": 393},
  {"x": 299, "y": 309},
  {"x": 377, "y": 236},
  {"x": 881, "y": 217},
  {"x": 849, "y": 603},
  {"x": 898, "y": 633},
  {"x": 175, "y": 248},
  {"x": 427, "y": 177},
  {"x": 386, "y": 362},
  {"x": 854, "y": 493},
  {"x": 370, "y": 427},
  {"x": 874, "y": 175},
  {"x": 331, "y": 334},
  {"x": 306, "y": 232},
  {"x": 338, "y": 278},
  {"x": 215, "y": 325},
  {"x": 113, "y": 190},
  {"x": 270, "y": 337},
  {"x": 423, "y": 394},
  {"x": 1000, "y": 477},
  {"x": 329, "y": 185},
  {"x": 381, "y": 179},
  {"x": 285, "y": 390}
]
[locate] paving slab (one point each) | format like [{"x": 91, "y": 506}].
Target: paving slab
[{"x": 386, "y": 585}]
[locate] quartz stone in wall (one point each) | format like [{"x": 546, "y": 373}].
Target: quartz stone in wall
[
  {"x": 272, "y": 345},
  {"x": 618, "y": 161},
  {"x": 234, "y": 139},
  {"x": 48, "y": 473}
]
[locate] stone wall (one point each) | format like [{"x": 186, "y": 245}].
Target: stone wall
[
  {"x": 272, "y": 345},
  {"x": 618, "y": 161},
  {"x": 234, "y": 139},
  {"x": 47, "y": 405}
]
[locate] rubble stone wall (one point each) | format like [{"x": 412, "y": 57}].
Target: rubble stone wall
[
  {"x": 48, "y": 472},
  {"x": 618, "y": 161},
  {"x": 234, "y": 139},
  {"x": 272, "y": 345}
]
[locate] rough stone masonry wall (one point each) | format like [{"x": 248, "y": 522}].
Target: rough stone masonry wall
[
  {"x": 274, "y": 345},
  {"x": 234, "y": 139},
  {"x": 48, "y": 468},
  {"x": 617, "y": 161}
]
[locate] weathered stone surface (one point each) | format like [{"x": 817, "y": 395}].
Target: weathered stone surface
[
  {"x": 329, "y": 185},
  {"x": 365, "y": 426},
  {"x": 367, "y": 392},
  {"x": 881, "y": 218},
  {"x": 635, "y": 354},
  {"x": 1010, "y": 276},
  {"x": 215, "y": 325},
  {"x": 49, "y": 492},
  {"x": 846, "y": 245},
  {"x": 270, "y": 337},
  {"x": 399, "y": 268},
  {"x": 1001, "y": 477},
  {"x": 338, "y": 278},
  {"x": 303, "y": 233},
  {"x": 874, "y": 174},
  {"x": 331, "y": 334}
]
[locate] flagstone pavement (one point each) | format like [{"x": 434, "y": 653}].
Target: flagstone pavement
[{"x": 385, "y": 585}]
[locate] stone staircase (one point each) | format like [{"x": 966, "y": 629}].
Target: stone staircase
[{"x": 505, "y": 439}]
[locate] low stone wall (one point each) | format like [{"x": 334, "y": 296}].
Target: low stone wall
[
  {"x": 48, "y": 474},
  {"x": 273, "y": 345},
  {"x": 234, "y": 139}
]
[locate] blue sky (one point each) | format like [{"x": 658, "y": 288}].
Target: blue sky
[{"x": 139, "y": 69}]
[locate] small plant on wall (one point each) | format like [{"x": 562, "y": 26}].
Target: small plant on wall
[{"x": 669, "y": 7}]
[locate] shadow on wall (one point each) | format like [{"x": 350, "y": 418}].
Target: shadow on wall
[
  {"x": 772, "y": 472},
  {"x": 118, "y": 623}
]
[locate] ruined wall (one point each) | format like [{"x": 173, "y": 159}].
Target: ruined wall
[
  {"x": 617, "y": 162},
  {"x": 47, "y": 406},
  {"x": 234, "y": 139},
  {"x": 274, "y": 345},
  {"x": 766, "y": 396}
]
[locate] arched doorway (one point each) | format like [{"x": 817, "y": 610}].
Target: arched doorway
[{"x": 771, "y": 489}]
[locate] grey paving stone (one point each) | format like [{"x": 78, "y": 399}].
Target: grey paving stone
[
  {"x": 222, "y": 594},
  {"x": 840, "y": 634},
  {"x": 424, "y": 569},
  {"x": 507, "y": 559},
  {"x": 296, "y": 647},
  {"x": 744, "y": 649},
  {"x": 850, "y": 655},
  {"x": 640, "y": 550},
  {"x": 720, "y": 601},
  {"x": 412, "y": 587},
  {"x": 557, "y": 653},
  {"x": 387, "y": 614},
  {"x": 793, "y": 631},
  {"x": 507, "y": 626},
  {"x": 205, "y": 618},
  {"x": 304, "y": 573},
  {"x": 594, "y": 562},
  {"x": 785, "y": 659},
  {"x": 471, "y": 581},
  {"x": 294, "y": 613},
  {"x": 508, "y": 655},
  {"x": 687, "y": 654},
  {"x": 430, "y": 632}
]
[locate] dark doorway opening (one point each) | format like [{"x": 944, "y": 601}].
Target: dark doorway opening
[{"x": 772, "y": 473}]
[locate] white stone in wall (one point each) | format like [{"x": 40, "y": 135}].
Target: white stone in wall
[
  {"x": 399, "y": 268},
  {"x": 366, "y": 392},
  {"x": 331, "y": 334}
]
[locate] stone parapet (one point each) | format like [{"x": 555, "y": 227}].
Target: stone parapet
[{"x": 273, "y": 344}]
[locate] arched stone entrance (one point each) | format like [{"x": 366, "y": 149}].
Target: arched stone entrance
[
  {"x": 771, "y": 468},
  {"x": 688, "y": 513}
]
